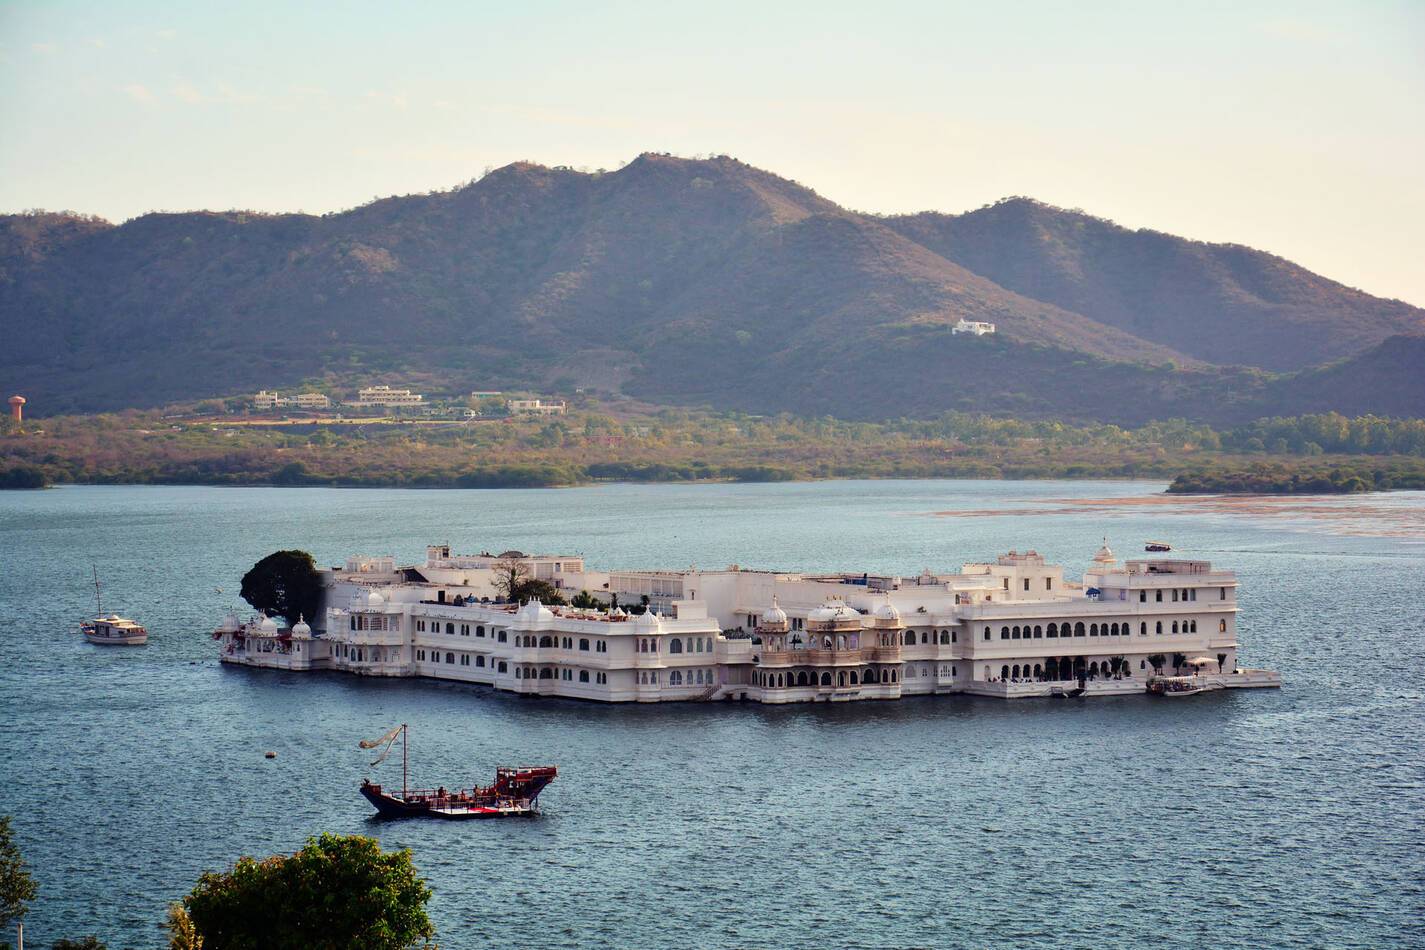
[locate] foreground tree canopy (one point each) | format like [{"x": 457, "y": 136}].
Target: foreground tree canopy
[
  {"x": 337, "y": 893},
  {"x": 284, "y": 584},
  {"x": 17, "y": 888}
]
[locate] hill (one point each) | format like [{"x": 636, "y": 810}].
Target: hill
[
  {"x": 670, "y": 279},
  {"x": 1220, "y": 303}
]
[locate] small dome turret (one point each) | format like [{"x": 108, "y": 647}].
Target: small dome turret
[
  {"x": 887, "y": 617},
  {"x": 230, "y": 623},
  {"x": 1105, "y": 555},
  {"x": 267, "y": 627},
  {"x": 774, "y": 620},
  {"x": 300, "y": 629}
]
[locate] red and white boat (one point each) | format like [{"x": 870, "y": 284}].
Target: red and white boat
[{"x": 514, "y": 794}]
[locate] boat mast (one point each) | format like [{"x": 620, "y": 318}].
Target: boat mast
[
  {"x": 98, "y": 604},
  {"x": 403, "y": 760}
]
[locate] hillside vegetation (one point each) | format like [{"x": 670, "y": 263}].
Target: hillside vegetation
[
  {"x": 704, "y": 282},
  {"x": 673, "y": 445}
]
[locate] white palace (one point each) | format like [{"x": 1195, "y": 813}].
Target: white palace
[{"x": 1011, "y": 628}]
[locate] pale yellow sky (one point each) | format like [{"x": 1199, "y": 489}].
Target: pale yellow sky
[{"x": 1298, "y": 128}]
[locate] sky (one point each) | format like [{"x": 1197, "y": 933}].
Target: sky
[{"x": 1297, "y": 128}]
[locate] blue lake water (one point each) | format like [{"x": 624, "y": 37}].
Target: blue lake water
[{"x": 1245, "y": 819}]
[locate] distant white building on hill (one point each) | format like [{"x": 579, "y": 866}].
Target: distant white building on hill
[
  {"x": 976, "y": 327},
  {"x": 536, "y": 407},
  {"x": 272, "y": 400},
  {"x": 386, "y": 396}
]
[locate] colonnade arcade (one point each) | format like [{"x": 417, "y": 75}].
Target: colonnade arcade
[{"x": 1058, "y": 668}]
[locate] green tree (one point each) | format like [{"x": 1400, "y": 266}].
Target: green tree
[
  {"x": 542, "y": 591},
  {"x": 337, "y": 893},
  {"x": 284, "y": 584},
  {"x": 23, "y": 476},
  {"x": 17, "y": 888}
]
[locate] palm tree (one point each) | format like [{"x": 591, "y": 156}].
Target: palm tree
[
  {"x": 1157, "y": 659},
  {"x": 1221, "y": 659}
]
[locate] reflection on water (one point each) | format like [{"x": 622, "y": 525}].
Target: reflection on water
[{"x": 1285, "y": 818}]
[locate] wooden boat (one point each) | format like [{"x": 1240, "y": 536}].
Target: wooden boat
[
  {"x": 114, "y": 630},
  {"x": 1157, "y": 546},
  {"x": 1175, "y": 687},
  {"x": 111, "y": 629},
  {"x": 514, "y": 793}
]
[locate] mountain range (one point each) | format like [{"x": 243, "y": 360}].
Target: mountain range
[{"x": 685, "y": 281}]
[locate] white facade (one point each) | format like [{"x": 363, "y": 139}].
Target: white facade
[
  {"x": 386, "y": 396},
  {"x": 271, "y": 400},
  {"x": 535, "y": 407},
  {"x": 978, "y": 328},
  {"x": 1011, "y": 628}
]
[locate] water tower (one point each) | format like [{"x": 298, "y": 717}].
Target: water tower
[{"x": 17, "y": 411}]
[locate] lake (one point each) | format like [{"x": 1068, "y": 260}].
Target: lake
[{"x": 1241, "y": 819}]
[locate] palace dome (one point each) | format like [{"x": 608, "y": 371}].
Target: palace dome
[
  {"x": 268, "y": 627},
  {"x": 775, "y": 615},
  {"x": 230, "y": 624},
  {"x": 300, "y": 630},
  {"x": 533, "y": 614},
  {"x": 833, "y": 612}
]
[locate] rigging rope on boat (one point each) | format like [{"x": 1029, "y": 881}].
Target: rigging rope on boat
[{"x": 389, "y": 739}]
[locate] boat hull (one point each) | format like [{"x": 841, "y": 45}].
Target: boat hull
[
  {"x": 125, "y": 640},
  {"x": 515, "y": 794}
]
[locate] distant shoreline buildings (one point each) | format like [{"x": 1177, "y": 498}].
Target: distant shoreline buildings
[
  {"x": 978, "y": 328},
  {"x": 1011, "y": 628}
]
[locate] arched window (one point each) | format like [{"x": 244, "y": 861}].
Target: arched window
[
  {"x": 1004, "y": 672},
  {"x": 1004, "y": 633},
  {"x": 1079, "y": 629},
  {"x": 502, "y": 667},
  {"x": 1093, "y": 629},
  {"x": 944, "y": 637},
  {"x": 987, "y": 633},
  {"x": 869, "y": 676},
  {"x": 450, "y": 628},
  {"x": 546, "y": 674},
  {"x": 909, "y": 638},
  {"x": 675, "y": 678},
  {"x": 1052, "y": 631},
  {"x": 925, "y": 636},
  {"x": 584, "y": 643},
  {"x": 479, "y": 631},
  {"x": 1194, "y": 625},
  {"x": 675, "y": 645},
  {"x": 855, "y": 681},
  {"x": 1175, "y": 626},
  {"x": 802, "y": 678},
  {"x": 1038, "y": 632},
  {"x": 1222, "y": 626},
  {"x": 1159, "y": 626},
  {"x": 1143, "y": 629},
  {"x": 1014, "y": 634},
  {"x": 450, "y": 658},
  {"x": 583, "y": 676},
  {"x": 826, "y": 679}
]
